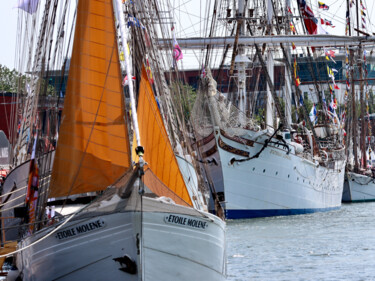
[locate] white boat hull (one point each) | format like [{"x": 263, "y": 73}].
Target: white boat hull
[
  {"x": 176, "y": 245},
  {"x": 276, "y": 183},
  {"x": 358, "y": 188}
]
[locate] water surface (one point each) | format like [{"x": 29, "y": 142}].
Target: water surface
[{"x": 336, "y": 245}]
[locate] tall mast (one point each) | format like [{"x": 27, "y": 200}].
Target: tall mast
[
  {"x": 354, "y": 115},
  {"x": 362, "y": 142},
  {"x": 120, "y": 17},
  {"x": 270, "y": 69}
]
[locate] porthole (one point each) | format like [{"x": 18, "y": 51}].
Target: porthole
[
  {"x": 264, "y": 170},
  {"x": 276, "y": 173}
]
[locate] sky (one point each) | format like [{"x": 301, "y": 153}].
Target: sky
[
  {"x": 186, "y": 8},
  {"x": 8, "y": 27}
]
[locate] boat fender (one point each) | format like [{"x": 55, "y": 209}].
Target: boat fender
[{"x": 128, "y": 265}]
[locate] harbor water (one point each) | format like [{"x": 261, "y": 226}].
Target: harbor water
[{"x": 336, "y": 245}]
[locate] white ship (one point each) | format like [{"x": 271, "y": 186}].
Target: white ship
[
  {"x": 358, "y": 188},
  {"x": 267, "y": 169},
  {"x": 266, "y": 173}
]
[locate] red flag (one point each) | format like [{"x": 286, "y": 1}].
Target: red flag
[{"x": 308, "y": 17}]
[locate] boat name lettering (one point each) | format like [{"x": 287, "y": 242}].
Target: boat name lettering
[
  {"x": 186, "y": 221},
  {"x": 281, "y": 154},
  {"x": 80, "y": 229}
]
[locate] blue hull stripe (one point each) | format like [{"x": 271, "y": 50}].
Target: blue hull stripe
[{"x": 248, "y": 214}]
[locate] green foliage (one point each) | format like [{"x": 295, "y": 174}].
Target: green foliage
[
  {"x": 183, "y": 97},
  {"x": 259, "y": 116},
  {"x": 12, "y": 81},
  {"x": 9, "y": 79}
]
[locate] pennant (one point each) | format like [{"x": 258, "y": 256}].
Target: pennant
[
  {"x": 149, "y": 73},
  {"x": 298, "y": 82},
  {"x": 203, "y": 73},
  {"x": 133, "y": 21},
  {"x": 293, "y": 46},
  {"x": 334, "y": 103},
  {"x": 312, "y": 114},
  {"x": 336, "y": 87},
  {"x": 177, "y": 53},
  {"x": 29, "y": 6},
  {"x": 126, "y": 82},
  {"x": 300, "y": 100},
  {"x": 295, "y": 68},
  {"x": 122, "y": 57},
  {"x": 292, "y": 28},
  {"x": 328, "y": 22},
  {"x": 323, "y": 6}
]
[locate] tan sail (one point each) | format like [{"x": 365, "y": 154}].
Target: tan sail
[
  {"x": 93, "y": 146},
  {"x": 162, "y": 174}
]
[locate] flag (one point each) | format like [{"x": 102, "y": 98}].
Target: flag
[
  {"x": 336, "y": 87},
  {"x": 308, "y": 17},
  {"x": 293, "y": 46},
  {"x": 298, "y": 82},
  {"x": 203, "y": 74},
  {"x": 126, "y": 82},
  {"x": 149, "y": 72},
  {"x": 292, "y": 28},
  {"x": 177, "y": 53},
  {"x": 312, "y": 114},
  {"x": 133, "y": 21},
  {"x": 328, "y": 22},
  {"x": 300, "y": 100},
  {"x": 122, "y": 57},
  {"x": 335, "y": 70},
  {"x": 323, "y": 6},
  {"x": 29, "y": 6}
]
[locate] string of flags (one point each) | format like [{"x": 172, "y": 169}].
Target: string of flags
[
  {"x": 363, "y": 15},
  {"x": 367, "y": 97}
]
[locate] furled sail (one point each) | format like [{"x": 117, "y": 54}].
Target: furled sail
[
  {"x": 162, "y": 174},
  {"x": 93, "y": 147}
]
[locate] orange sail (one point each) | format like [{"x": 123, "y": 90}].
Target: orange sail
[
  {"x": 162, "y": 174},
  {"x": 93, "y": 147}
]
